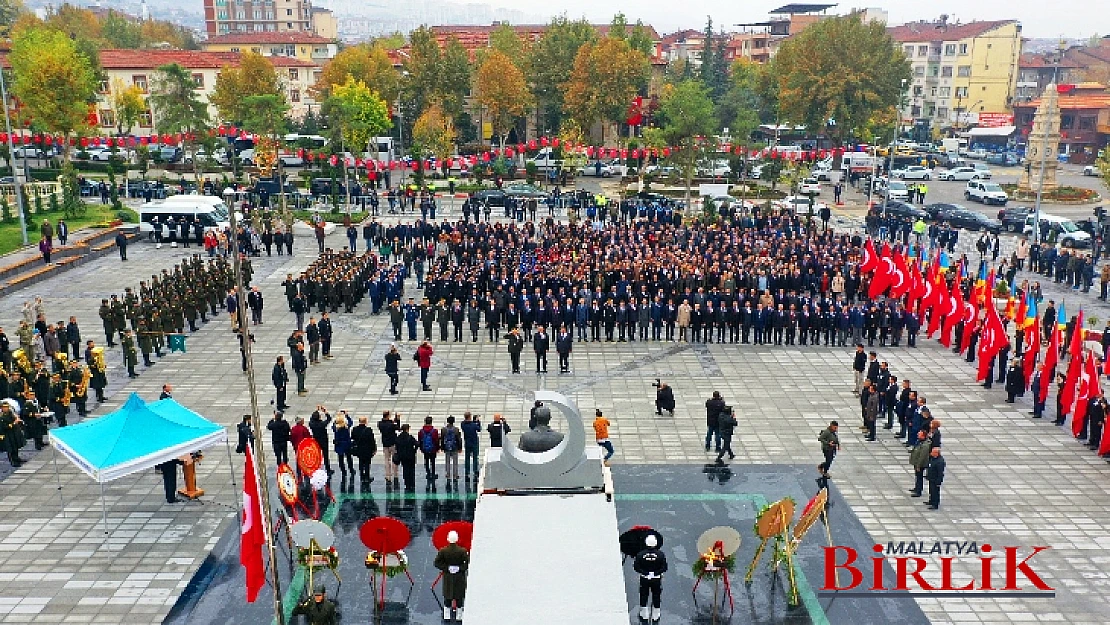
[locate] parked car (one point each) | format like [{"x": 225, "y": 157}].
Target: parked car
[
  {"x": 913, "y": 172},
  {"x": 719, "y": 169},
  {"x": 902, "y": 209},
  {"x": 934, "y": 210},
  {"x": 809, "y": 185},
  {"x": 1089, "y": 170},
  {"x": 596, "y": 168},
  {"x": 961, "y": 217},
  {"x": 291, "y": 160},
  {"x": 1013, "y": 218},
  {"x": 1067, "y": 233},
  {"x": 323, "y": 187},
  {"x": 977, "y": 153},
  {"x": 1004, "y": 159},
  {"x": 894, "y": 190},
  {"x": 986, "y": 192},
  {"x": 29, "y": 151},
  {"x": 800, "y": 204},
  {"x": 496, "y": 197},
  {"x": 964, "y": 173}
]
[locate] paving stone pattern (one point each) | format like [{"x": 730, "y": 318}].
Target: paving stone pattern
[{"x": 1010, "y": 480}]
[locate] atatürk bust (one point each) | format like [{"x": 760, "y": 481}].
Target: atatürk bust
[{"x": 540, "y": 438}]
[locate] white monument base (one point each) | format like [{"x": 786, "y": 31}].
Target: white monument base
[{"x": 545, "y": 559}]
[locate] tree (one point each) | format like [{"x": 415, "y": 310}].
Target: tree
[
  {"x": 606, "y": 77},
  {"x": 176, "y": 106},
  {"x": 128, "y": 105},
  {"x": 255, "y": 76},
  {"x": 120, "y": 32},
  {"x": 432, "y": 134},
  {"x": 505, "y": 40},
  {"x": 835, "y": 74},
  {"x": 503, "y": 92},
  {"x": 552, "y": 63},
  {"x": 639, "y": 39},
  {"x": 742, "y": 108},
  {"x": 368, "y": 63},
  {"x": 687, "y": 112},
  {"x": 361, "y": 113},
  {"x": 454, "y": 78},
  {"x": 10, "y": 11},
  {"x": 422, "y": 67},
  {"x": 53, "y": 81}
]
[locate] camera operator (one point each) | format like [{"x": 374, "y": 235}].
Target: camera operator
[{"x": 664, "y": 397}]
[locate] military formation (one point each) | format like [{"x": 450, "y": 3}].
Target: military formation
[{"x": 334, "y": 279}]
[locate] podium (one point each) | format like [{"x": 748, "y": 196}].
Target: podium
[{"x": 190, "y": 470}]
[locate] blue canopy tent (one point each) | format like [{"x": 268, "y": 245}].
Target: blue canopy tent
[{"x": 138, "y": 436}]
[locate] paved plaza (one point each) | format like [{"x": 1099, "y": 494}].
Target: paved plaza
[{"x": 1010, "y": 480}]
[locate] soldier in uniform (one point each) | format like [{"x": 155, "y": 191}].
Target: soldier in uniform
[
  {"x": 60, "y": 398},
  {"x": 105, "y": 318},
  {"x": 396, "y": 318},
  {"x": 318, "y": 610},
  {"x": 146, "y": 343},
  {"x": 453, "y": 561},
  {"x": 130, "y": 354},
  {"x": 650, "y": 564},
  {"x": 119, "y": 315},
  {"x": 78, "y": 390},
  {"x": 443, "y": 318},
  {"x": 11, "y": 434}
]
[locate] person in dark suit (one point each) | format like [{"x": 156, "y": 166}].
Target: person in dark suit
[
  {"x": 516, "y": 346},
  {"x": 365, "y": 446},
  {"x": 664, "y": 397},
  {"x": 541, "y": 342},
  {"x": 405, "y": 457},
  {"x": 169, "y": 478},
  {"x": 280, "y": 378},
  {"x": 280, "y": 432},
  {"x": 934, "y": 474},
  {"x": 563, "y": 345}
]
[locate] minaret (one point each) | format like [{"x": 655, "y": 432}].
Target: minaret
[{"x": 144, "y": 11}]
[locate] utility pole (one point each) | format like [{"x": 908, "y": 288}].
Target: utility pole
[
  {"x": 256, "y": 422},
  {"x": 11, "y": 160}
]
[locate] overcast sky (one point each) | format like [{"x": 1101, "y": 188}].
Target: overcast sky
[{"x": 1039, "y": 18}]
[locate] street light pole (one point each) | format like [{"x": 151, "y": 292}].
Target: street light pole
[
  {"x": 11, "y": 160},
  {"x": 256, "y": 422},
  {"x": 890, "y": 157}
]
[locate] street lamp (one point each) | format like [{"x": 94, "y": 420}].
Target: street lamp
[{"x": 890, "y": 157}]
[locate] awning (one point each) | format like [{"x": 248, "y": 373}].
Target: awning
[
  {"x": 138, "y": 436},
  {"x": 999, "y": 131}
]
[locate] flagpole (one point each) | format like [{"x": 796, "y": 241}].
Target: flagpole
[{"x": 256, "y": 422}]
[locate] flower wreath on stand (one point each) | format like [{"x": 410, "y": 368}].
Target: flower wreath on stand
[
  {"x": 320, "y": 559},
  {"x": 711, "y": 565},
  {"x": 375, "y": 561}
]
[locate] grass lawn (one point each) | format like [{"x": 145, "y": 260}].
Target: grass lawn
[{"x": 10, "y": 239}]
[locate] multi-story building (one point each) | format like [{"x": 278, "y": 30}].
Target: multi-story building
[
  {"x": 258, "y": 16},
  {"x": 1082, "y": 63},
  {"x": 1084, "y": 119},
  {"x": 123, "y": 68},
  {"x": 753, "y": 46},
  {"x": 304, "y": 46},
  {"x": 960, "y": 71}
]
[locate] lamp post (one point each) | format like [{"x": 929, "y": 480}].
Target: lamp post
[
  {"x": 256, "y": 422},
  {"x": 890, "y": 156},
  {"x": 11, "y": 161}
]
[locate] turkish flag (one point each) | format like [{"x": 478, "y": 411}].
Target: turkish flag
[
  {"x": 968, "y": 315},
  {"x": 950, "y": 311},
  {"x": 869, "y": 260},
  {"x": 991, "y": 341},
  {"x": 940, "y": 297},
  {"x": 1075, "y": 367},
  {"x": 253, "y": 537},
  {"x": 1032, "y": 351},
  {"x": 1085, "y": 389},
  {"x": 902, "y": 282},
  {"x": 1051, "y": 357},
  {"x": 884, "y": 274}
]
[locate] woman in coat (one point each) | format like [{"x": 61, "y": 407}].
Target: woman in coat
[{"x": 341, "y": 439}]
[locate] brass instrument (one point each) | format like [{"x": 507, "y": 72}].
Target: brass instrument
[
  {"x": 21, "y": 361},
  {"x": 83, "y": 385},
  {"x": 66, "y": 397},
  {"x": 61, "y": 359},
  {"x": 98, "y": 362}
]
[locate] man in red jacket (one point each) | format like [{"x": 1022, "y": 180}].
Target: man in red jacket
[
  {"x": 298, "y": 433},
  {"x": 423, "y": 358}
]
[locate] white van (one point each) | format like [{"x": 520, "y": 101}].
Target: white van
[
  {"x": 1067, "y": 233},
  {"x": 208, "y": 209}
]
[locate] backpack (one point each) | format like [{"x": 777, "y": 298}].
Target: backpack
[
  {"x": 427, "y": 442},
  {"x": 450, "y": 439}
]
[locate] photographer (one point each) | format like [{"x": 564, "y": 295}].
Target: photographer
[{"x": 664, "y": 397}]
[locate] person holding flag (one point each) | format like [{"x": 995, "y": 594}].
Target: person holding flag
[
  {"x": 253, "y": 538},
  {"x": 1075, "y": 371}
]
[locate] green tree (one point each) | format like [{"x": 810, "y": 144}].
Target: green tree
[
  {"x": 255, "y": 76},
  {"x": 552, "y": 63},
  {"x": 639, "y": 38},
  {"x": 502, "y": 92},
  {"x": 618, "y": 28},
  {"x": 454, "y": 78},
  {"x": 432, "y": 134},
  {"x": 10, "y": 11},
  {"x": 361, "y": 113},
  {"x": 505, "y": 40},
  {"x": 176, "y": 106},
  {"x": 688, "y": 113},
  {"x": 53, "y": 80},
  {"x": 606, "y": 77},
  {"x": 742, "y": 108},
  {"x": 120, "y": 32},
  {"x": 366, "y": 62},
  {"x": 128, "y": 104},
  {"x": 422, "y": 66},
  {"x": 835, "y": 75}
]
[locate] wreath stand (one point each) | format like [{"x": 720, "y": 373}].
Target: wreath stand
[
  {"x": 310, "y": 459},
  {"x": 315, "y": 549},
  {"x": 386, "y": 538},
  {"x": 717, "y": 546}
]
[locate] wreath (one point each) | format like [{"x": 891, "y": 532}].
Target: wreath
[
  {"x": 376, "y": 561},
  {"x": 710, "y": 565},
  {"x": 319, "y": 559}
]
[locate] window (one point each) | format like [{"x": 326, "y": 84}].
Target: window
[
  {"x": 258, "y": 28},
  {"x": 918, "y": 90},
  {"x": 950, "y": 49},
  {"x": 961, "y": 92},
  {"x": 942, "y": 113},
  {"x": 269, "y": 14},
  {"x": 221, "y": 3},
  {"x": 103, "y": 88},
  {"x": 922, "y": 50},
  {"x": 271, "y": 27},
  {"x": 240, "y": 14},
  {"x": 963, "y": 48},
  {"x": 294, "y": 95},
  {"x": 1087, "y": 123},
  {"x": 288, "y": 12},
  {"x": 276, "y": 51},
  {"x": 235, "y": 49},
  {"x": 140, "y": 82},
  {"x": 222, "y": 15},
  {"x": 933, "y": 92},
  {"x": 946, "y": 71},
  {"x": 223, "y": 27},
  {"x": 290, "y": 50},
  {"x": 146, "y": 120},
  {"x": 289, "y": 25},
  {"x": 963, "y": 71},
  {"x": 256, "y": 50},
  {"x": 257, "y": 14},
  {"x": 1067, "y": 122},
  {"x": 107, "y": 118},
  {"x": 294, "y": 74},
  {"x": 945, "y": 92},
  {"x": 198, "y": 81},
  {"x": 919, "y": 70},
  {"x": 908, "y": 50}
]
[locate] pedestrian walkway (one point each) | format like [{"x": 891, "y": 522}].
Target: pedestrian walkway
[{"x": 1011, "y": 481}]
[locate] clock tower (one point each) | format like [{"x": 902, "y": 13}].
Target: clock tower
[{"x": 1043, "y": 141}]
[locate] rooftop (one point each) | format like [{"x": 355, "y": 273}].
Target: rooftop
[
  {"x": 801, "y": 8},
  {"x": 1033, "y": 61},
  {"x": 1084, "y": 96},
  {"x": 291, "y": 36},
  {"x": 189, "y": 59},
  {"x": 939, "y": 31}
]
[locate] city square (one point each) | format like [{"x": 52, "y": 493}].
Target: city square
[{"x": 695, "y": 304}]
